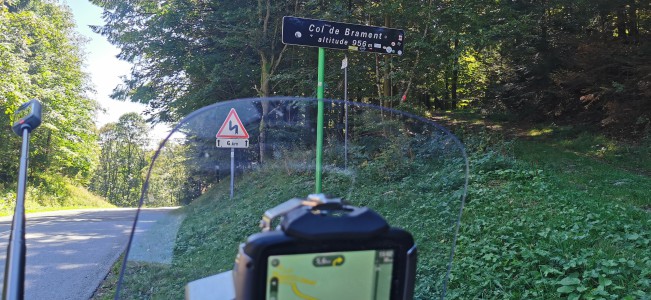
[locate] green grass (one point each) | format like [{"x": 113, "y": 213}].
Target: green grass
[
  {"x": 562, "y": 215},
  {"x": 40, "y": 199},
  {"x": 556, "y": 214},
  {"x": 209, "y": 237},
  {"x": 106, "y": 290}
]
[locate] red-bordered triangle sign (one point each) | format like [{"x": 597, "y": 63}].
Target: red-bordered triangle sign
[{"x": 232, "y": 127}]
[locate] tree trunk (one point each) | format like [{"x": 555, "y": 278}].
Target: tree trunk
[
  {"x": 386, "y": 78},
  {"x": 455, "y": 74},
  {"x": 378, "y": 82},
  {"x": 633, "y": 29},
  {"x": 621, "y": 24},
  {"x": 446, "y": 93},
  {"x": 606, "y": 33},
  {"x": 264, "y": 92},
  {"x": 270, "y": 59}
]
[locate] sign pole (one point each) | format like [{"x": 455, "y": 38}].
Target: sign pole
[
  {"x": 319, "y": 119},
  {"x": 14, "y": 283},
  {"x": 337, "y": 35},
  {"x": 232, "y": 134},
  {"x": 232, "y": 170},
  {"x": 28, "y": 117},
  {"x": 345, "y": 66}
]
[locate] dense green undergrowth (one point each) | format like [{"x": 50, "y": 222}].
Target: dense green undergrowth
[
  {"x": 551, "y": 216},
  {"x": 556, "y": 215}
]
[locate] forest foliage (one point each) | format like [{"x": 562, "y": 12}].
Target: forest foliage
[
  {"x": 41, "y": 57},
  {"x": 553, "y": 60},
  {"x": 122, "y": 159},
  {"x": 558, "y": 60}
]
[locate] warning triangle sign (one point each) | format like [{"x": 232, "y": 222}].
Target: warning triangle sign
[{"x": 232, "y": 127}]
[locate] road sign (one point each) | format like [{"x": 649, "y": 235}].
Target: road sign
[
  {"x": 335, "y": 35},
  {"x": 232, "y": 127},
  {"x": 232, "y": 143},
  {"x": 232, "y": 133}
]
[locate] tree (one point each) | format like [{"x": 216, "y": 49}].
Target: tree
[
  {"x": 514, "y": 56},
  {"x": 170, "y": 182},
  {"x": 582, "y": 60},
  {"x": 120, "y": 176},
  {"x": 40, "y": 57}
]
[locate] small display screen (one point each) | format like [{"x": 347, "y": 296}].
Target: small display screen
[
  {"x": 334, "y": 275},
  {"x": 22, "y": 113}
]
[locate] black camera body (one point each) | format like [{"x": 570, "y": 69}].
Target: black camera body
[{"x": 325, "y": 249}]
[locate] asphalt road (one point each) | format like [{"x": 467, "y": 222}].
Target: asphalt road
[{"x": 70, "y": 252}]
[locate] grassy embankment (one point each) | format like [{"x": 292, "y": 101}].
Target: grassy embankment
[
  {"x": 62, "y": 196},
  {"x": 553, "y": 214},
  {"x": 392, "y": 175},
  {"x": 557, "y": 213}
]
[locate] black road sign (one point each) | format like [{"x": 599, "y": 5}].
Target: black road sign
[{"x": 335, "y": 35}]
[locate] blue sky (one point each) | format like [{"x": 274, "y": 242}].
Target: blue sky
[{"x": 105, "y": 69}]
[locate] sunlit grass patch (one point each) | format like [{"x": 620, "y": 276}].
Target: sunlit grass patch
[
  {"x": 40, "y": 199},
  {"x": 539, "y": 132}
]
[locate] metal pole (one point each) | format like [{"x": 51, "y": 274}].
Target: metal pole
[
  {"x": 14, "y": 283},
  {"x": 319, "y": 119},
  {"x": 346, "y": 113},
  {"x": 232, "y": 170}
]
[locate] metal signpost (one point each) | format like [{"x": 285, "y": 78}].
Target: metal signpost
[
  {"x": 343, "y": 36},
  {"x": 344, "y": 65},
  {"x": 27, "y": 118},
  {"x": 232, "y": 134}
]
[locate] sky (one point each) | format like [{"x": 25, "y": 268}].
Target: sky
[
  {"x": 101, "y": 63},
  {"x": 105, "y": 69}
]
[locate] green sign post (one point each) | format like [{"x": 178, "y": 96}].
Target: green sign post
[
  {"x": 336, "y": 35},
  {"x": 319, "y": 119}
]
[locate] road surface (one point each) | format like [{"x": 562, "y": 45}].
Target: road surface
[{"x": 70, "y": 252}]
